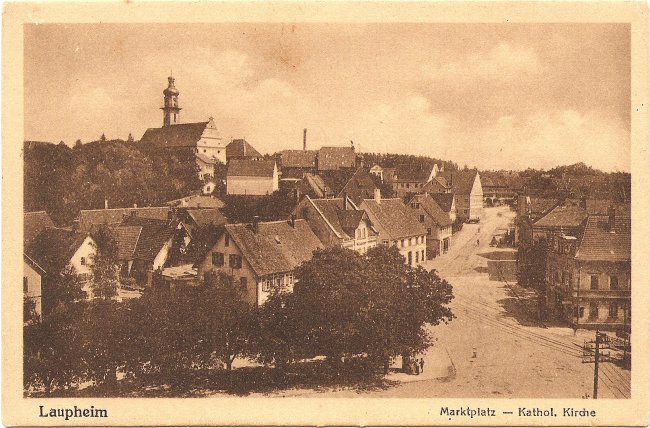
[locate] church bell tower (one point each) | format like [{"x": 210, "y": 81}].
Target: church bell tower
[{"x": 171, "y": 110}]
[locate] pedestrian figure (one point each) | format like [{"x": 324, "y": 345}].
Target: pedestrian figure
[
  {"x": 417, "y": 368},
  {"x": 421, "y": 365},
  {"x": 477, "y": 242}
]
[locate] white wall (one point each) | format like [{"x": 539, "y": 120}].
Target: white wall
[
  {"x": 34, "y": 289},
  {"x": 251, "y": 185}
]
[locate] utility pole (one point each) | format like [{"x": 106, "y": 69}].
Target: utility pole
[{"x": 596, "y": 358}]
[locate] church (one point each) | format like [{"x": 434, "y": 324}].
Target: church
[{"x": 202, "y": 138}]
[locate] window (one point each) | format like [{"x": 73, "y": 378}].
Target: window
[
  {"x": 417, "y": 257},
  {"x": 243, "y": 284},
  {"x": 403, "y": 243},
  {"x": 204, "y": 150},
  {"x": 429, "y": 231},
  {"x": 25, "y": 285},
  {"x": 593, "y": 310},
  {"x": 266, "y": 285},
  {"x": 410, "y": 242},
  {"x": 613, "y": 282},
  {"x": 83, "y": 261},
  {"x": 410, "y": 258},
  {"x": 234, "y": 261},
  {"x": 579, "y": 312},
  {"x": 385, "y": 242},
  {"x": 226, "y": 241},
  {"x": 421, "y": 218},
  {"x": 422, "y": 258},
  {"x": 594, "y": 282},
  {"x": 217, "y": 258},
  {"x": 613, "y": 310}
]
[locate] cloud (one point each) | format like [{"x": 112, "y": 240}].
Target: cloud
[{"x": 499, "y": 64}]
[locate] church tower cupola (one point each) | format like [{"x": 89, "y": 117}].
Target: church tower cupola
[{"x": 171, "y": 110}]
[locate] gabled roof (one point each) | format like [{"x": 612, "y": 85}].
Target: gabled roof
[
  {"x": 250, "y": 168},
  {"x": 197, "y": 201},
  {"x": 333, "y": 212},
  {"x": 33, "y": 224},
  {"x": 298, "y": 158},
  {"x": 461, "y": 182},
  {"x": 88, "y": 219},
  {"x": 433, "y": 210},
  {"x": 153, "y": 236},
  {"x": 53, "y": 248},
  {"x": 316, "y": 184},
  {"x": 569, "y": 216},
  {"x": 126, "y": 239},
  {"x": 332, "y": 158},
  {"x": 277, "y": 247},
  {"x": 360, "y": 186},
  {"x": 599, "y": 243},
  {"x": 395, "y": 218},
  {"x": 240, "y": 148},
  {"x": 541, "y": 206},
  {"x": 412, "y": 173},
  {"x": 444, "y": 200},
  {"x": 207, "y": 217},
  {"x": 350, "y": 219},
  {"x": 181, "y": 135},
  {"x": 437, "y": 185}
]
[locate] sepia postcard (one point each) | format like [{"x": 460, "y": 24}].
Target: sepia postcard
[{"x": 309, "y": 214}]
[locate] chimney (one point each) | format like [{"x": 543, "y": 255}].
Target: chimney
[
  {"x": 378, "y": 195},
  {"x": 293, "y": 220},
  {"x": 135, "y": 205},
  {"x": 304, "y": 139},
  {"x": 106, "y": 203},
  {"x": 256, "y": 221},
  {"x": 611, "y": 221},
  {"x": 345, "y": 200}
]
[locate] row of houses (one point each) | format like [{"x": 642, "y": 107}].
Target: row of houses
[
  {"x": 588, "y": 258},
  {"x": 179, "y": 245}
]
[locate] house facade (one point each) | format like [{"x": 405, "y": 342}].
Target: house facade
[
  {"x": 589, "y": 276},
  {"x": 338, "y": 222},
  {"x": 252, "y": 177},
  {"x": 261, "y": 257},
  {"x": 436, "y": 221},
  {"x": 468, "y": 193},
  {"x": 397, "y": 225}
]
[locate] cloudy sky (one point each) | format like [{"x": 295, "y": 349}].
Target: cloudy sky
[{"x": 485, "y": 95}]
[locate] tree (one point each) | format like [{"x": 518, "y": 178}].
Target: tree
[
  {"x": 532, "y": 271},
  {"x": 129, "y": 139},
  {"x": 227, "y": 317},
  {"x": 77, "y": 144},
  {"x": 104, "y": 264},
  {"x": 52, "y": 349},
  {"x": 102, "y": 138},
  {"x": 63, "y": 290}
]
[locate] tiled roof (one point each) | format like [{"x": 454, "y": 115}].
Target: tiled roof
[
  {"x": 197, "y": 201},
  {"x": 53, "y": 248},
  {"x": 209, "y": 160},
  {"x": 250, "y": 168},
  {"x": 444, "y": 200},
  {"x": 88, "y": 219},
  {"x": 391, "y": 215},
  {"x": 350, "y": 219},
  {"x": 540, "y": 206},
  {"x": 360, "y": 186},
  {"x": 412, "y": 173},
  {"x": 181, "y": 135},
  {"x": 598, "y": 243},
  {"x": 241, "y": 149},
  {"x": 154, "y": 235},
  {"x": 207, "y": 217},
  {"x": 332, "y": 158},
  {"x": 33, "y": 224},
  {"x": 316, "y": 184},
  {"x": 126, "y": 239},
  {"x": 563, "y": 216},
  {"x": 276, "y": 247},
  {"x": 331, "y": 210},
  {"x": 431, "y": 207},
  {"x": 298, "y": 158},
  {"x": 461, "y": 182},
  {"x": 601, "y": 207}
]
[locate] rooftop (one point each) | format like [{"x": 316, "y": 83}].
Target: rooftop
[
  {"x": 240, "y": 148},
  {"x": 33, "y": 224},
  {"x": 251, "y": 168},
  {"x": 602, "y": 243},
  {"x": 174, "y": 136},
  {"x": 395, "y": 218},
  {"x": 53, "y": 248}
]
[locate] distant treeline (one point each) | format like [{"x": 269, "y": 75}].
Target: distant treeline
[
  {"x": 391, "y": 160},
  {"x": 63, "y": 180}
]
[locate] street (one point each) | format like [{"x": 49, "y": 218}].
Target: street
[{"x": 494, "y": 346}]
